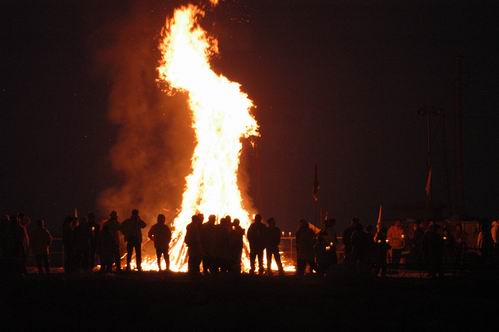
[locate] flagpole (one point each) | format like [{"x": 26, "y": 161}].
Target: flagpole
[
  {"x": 428, "y": 113},
  {"x": 315, "y": 197}
]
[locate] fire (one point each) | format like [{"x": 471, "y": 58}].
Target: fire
[{"x": 221, "y": 118}]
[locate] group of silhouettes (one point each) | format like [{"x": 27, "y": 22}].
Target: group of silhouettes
[
  {"x": 16, "y": 241},
  {"x": 216, "y": 246}
]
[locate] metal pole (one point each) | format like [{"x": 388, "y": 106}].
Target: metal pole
[
  {"x": 429, "y": 161},
  {"x": 446, "y": 161},
  {"x": 460, "y": 207}
]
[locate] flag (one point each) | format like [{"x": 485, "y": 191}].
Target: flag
[
  {"x": 428, "y": 183},
  {"x": 316, "y": 185},
  {"x": 378, "y": 223}
]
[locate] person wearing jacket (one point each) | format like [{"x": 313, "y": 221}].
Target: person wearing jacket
[
  {"x": 272, "y": 248},
  {"x": 132, "y": 230},
  {"x": 395, "y": 237},
  {"x": 305, "y": 242},
  {"x": 161, "y": 235},
  {"x": 256, "y": 237},
  {"x": 40, "y": 243}
]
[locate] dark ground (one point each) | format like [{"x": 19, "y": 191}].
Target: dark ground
[{"x": 153, "y": 301}]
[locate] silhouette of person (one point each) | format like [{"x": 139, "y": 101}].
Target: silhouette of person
[
  {"x": 17, "y": 245},
  {"x": 113, "y": 226},
  {"x": 40, "y": 243},
  {"x": 347, "y": 239},
  {"x": 272, "y": 248},
  {"x": 396, "y": 241},
  {"x": 107, "y": 245},
  {"x": 82, "y": 244},
  {"x": 222, "y": 252},
  {"x": 161, "y": 235},
  {"x": 417, "y": 252},
  {"x": 194, "y": 245},
  {"x": 256, "y": 238},
  {"x": 94, "y": 229},
  {"x": 305, "y": 242},
  {"x": 218, "y": 245},
  {"x": 236, "y": 245},
  {"x": 68, "y": 243},
  {"x": 208, "y": 231},
  {"x": 485, "y": 243},
  {"x": 449, "y": 244},
  {"x": 494, "y": 232},
  {"x": 381, "y": 252},
  {"x": 461, "y": 245},
  {"x": 327, "y": 241},
  {"x": 434, "y": 248},
  {"x": 360, "y": 244},
  {"x": 4, "y": 225},
  {"x": 132, "y": 230}
]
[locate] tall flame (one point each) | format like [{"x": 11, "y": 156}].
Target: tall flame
[{"x": 221, "y": 118}]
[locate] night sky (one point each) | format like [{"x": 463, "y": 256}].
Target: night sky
[{"x": 337, "y": 83}]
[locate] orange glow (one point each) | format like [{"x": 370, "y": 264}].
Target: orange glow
[{"x": 220, "y": 118}]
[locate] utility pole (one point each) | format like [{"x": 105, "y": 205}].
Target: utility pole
[
  {"x": 446, "y": 161},
  {"x": 460, "y": 206}
]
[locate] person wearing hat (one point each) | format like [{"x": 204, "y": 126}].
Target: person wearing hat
[{"x": 113, "y": 226}]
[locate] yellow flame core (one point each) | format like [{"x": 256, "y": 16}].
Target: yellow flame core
[{"x": 221, "y": 118}]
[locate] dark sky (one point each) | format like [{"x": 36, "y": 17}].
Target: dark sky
[{"x": 337, "y": 83}]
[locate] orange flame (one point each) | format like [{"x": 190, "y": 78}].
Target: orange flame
[{"x": 221, "y": 118}]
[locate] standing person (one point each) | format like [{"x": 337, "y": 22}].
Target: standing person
[
  {"x": 369, "y": 254},
  {"x": 106, "y": 248},
  {"x": 381, "y": 252},
  {"x": 40, "y": 243},
  {"x": 396, "y": 241},
  {"x": 132, "y": 230},
  {"x": 94, "y": 229},
  {"x": 305, "y": 240},
  {"x": 434, "y": 250},
  {"x": 485, "y": 243},
  {"x": 208, "y": 231},
  {"x": 68, "y": 244},
  {"x": 494, "y": 232},
  {"x": 236, "y": 245},
  {"x": 208, "y": 241},
  {"x": 218, "y": 245},
  {"x": 417, "y": 252},
  {"x": 4, "y": 224},
  {"x": 327, "y": 241},
  {"x": 256, "y": 238},
  {"x": 194, "y": 245},
  {"x": 161, "y": 235},
  {"x": 449, "y": 245},
  {"x": 82, "y": 245},
  {"x": 24, "y": 221},
  {"x": 360, "y": 243},
  {"x": 460, "y": 242},
  {"x": 347, "y": 239},
  {"x": 17, "y": 246},
  {"x": 272, "y": 248},
  {"x": 222, "y": 248},
  {"x": 113, "y": 226}
]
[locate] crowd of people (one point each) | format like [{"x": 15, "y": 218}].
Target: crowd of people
[{"x": 216, "y": 246}]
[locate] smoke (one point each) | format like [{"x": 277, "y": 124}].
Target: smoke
[
  {"x": 154, "y": 136},
  {"x": 154, "y": 142}
]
